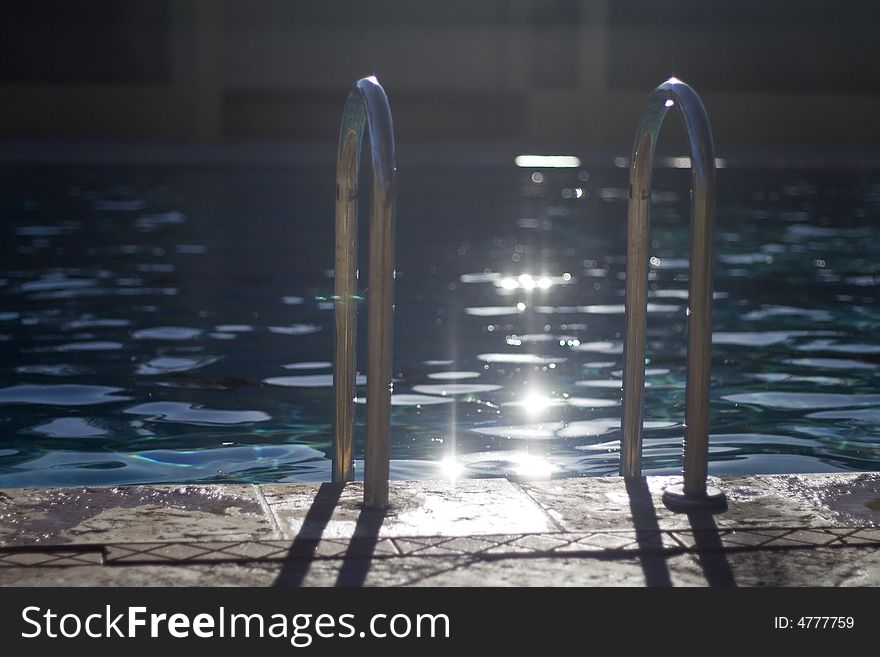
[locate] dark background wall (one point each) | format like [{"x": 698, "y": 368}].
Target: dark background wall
[{"x": 802, "y": 73}]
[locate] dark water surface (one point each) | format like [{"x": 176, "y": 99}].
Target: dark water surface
[{"x": 175, "y": 325}]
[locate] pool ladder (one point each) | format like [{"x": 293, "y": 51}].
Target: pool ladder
[
  {"x": 693, "y": 492},
  {"x": 367, "y": 109}
]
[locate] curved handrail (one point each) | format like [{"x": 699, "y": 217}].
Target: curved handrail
[
  {"x": 672, "y": 93},
  {"x": 366, "y": 107}
]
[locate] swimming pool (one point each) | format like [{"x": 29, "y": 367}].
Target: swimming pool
[{"x": 175, "y": 325}]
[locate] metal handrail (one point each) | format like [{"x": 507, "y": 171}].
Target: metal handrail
[
  {"x": 366, "y": 107},
  {"x": 672, "y": 93}
]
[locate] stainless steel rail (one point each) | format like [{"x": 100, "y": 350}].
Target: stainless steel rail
[
  {"x": 366, "y": 107},
  {"x": 672, "y": 93}
]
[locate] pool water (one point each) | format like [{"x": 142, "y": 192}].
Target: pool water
[{"x": 162, "y": 325}]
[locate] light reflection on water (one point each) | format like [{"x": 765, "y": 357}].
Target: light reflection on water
[{"x": 173, "y": 326}]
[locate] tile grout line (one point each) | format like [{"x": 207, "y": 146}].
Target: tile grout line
[
  {"x": 267, "y": 510},
  {"x": 546, "y": 512}
]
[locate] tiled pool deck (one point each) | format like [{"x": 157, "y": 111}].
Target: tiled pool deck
[{"x": 778, "y": 530}]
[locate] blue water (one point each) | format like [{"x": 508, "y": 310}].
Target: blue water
[{"x": 163, "y": 325}]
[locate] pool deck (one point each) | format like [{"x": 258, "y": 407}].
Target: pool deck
[{"x": 778, "y": 530}]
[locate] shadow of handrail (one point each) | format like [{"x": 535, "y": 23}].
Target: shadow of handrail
[
  {"x": 648, "y": 534},
  {"x": 358, "y": 556},
  {"x": 710, "y": 549},
  {"x": 302, "y": 550}
]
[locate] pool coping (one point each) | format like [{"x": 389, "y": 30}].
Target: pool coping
[{"x": 778, "y": 530}]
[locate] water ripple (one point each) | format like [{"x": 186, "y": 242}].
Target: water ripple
[
  {"x": 193, "y": 414},
  {"x": 62, "y": 394},
  {"x": 70, "y": 427},
  {"x": 167, "y": 333},
  {"x": 168, "y": 364},
  {"x": 456, "y": 388},
  {"x": 802, "y": 400}
]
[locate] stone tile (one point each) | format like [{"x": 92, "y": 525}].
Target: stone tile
[
  {"x": 180, "y": 551},
  {"x": 601, "y": 502},
  {"x": 467, "y": 533},
  {"x": 197, "y": 552},
  {"x": 812, "y": 537},
  {"x": 595, "y": 541},
  {"x": 252, "y": 550},
  {"x": 436, "y": 571},
  {"x": 139, "y": 576},
  {"x": 356, "y": 548},
  {"x": 775, "y": 538},
  {"x": 853, "y": 498},
  {"x": 156, "y": 552},
  {"x": 663, "y": 540},
  {"x": 864, "y": 536},
  {"x": 50, "y": 559},
  {"x": 709, "y": 540},
  {"x": 734, "y": 539},
  {"x": 30, "y": 516},
  {"x": 475, "y": 546},
  {"x": 431, "y": 545},
  {"x": 425, "y": 571},
  {"x": 825, "y": 566},
  {"x": 468, "y": 507},
  {"x": 803, "y": 567},
  {"x": 556, "y": 571},
  {"x": 610, "y": 502},
  {"x": 652, "y": 541},
  {"x": 444, "y": 546},
  {"x": 816, "y": 500},
  {"x": 511, "y": 547},
  {"x": 538, "y": 543}
]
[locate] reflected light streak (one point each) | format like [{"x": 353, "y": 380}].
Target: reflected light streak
[
  {"x": 450, "y": 468},
  {"x": 532, "y": 467},
  {"x": 535, "y": 402},
  {"x": 547, "y": 161},
  {"x": 529, "y": 282}
]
